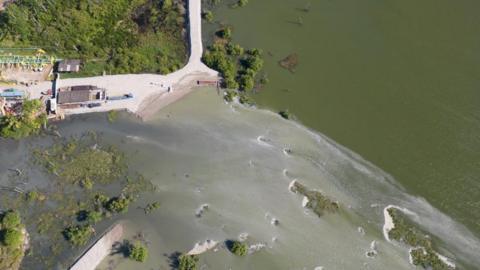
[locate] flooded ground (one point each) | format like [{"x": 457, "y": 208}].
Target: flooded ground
[
  {"x": 240, "y": 162},
  {"x": 222, "y": 172}
]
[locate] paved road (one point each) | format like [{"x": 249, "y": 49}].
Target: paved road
[{"x": 147, "y": 87}]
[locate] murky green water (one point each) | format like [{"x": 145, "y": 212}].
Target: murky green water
[{"x": 395, "y": 81}]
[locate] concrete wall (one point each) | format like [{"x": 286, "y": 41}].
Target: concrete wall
[{"x": 99, "y": 250}]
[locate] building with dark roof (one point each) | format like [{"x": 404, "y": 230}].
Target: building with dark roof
[
  {"x": 82, "y": 94},
  {"x": 72, "y": 97},
  {"x": 69, "y": 65}
]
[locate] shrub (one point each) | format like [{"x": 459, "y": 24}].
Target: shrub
[
  {"x": 86, "y": 183},
  {"x": 32, "y": 196},
  {"x": 187, "y": 262},
  {"x": 93, "y": 217},
  {"x": 229, "y": 95},
  {"x": 112, "y": 116},
  {"x": 225, "y": 33},
  {"x": 138, "y": 252},
  {"x": 78, "y": 235},
  {"x": 238, "y": 248},
  {"x": 11, "y": 219},
  {"x": 285, "y": 114},
  {"x": 11, "y": 237},
  {"x": 245, "y": 99},
  {"x": 151, "y": 207},
  {"x": 118, "y": 204},
  {"x": 208, "y": 16}
]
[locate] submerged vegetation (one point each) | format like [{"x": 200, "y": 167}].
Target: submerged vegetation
[
  {"x": 315, "y": 200},
  {"x": 64, "y": 213},
  {"x": 422, "y": 252},
  {"x": 12, "y": 238},
  {"x": 28, "y": 122},
  {"x": 112, "y": 116},
  {"x": 290, "y": 62},
  {"x": 151, "y": 207},
  {"x": 76, "y": 163},
  {"x": 117, "y": 36}
]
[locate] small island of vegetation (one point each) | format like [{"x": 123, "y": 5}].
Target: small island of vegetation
[
  {"x": 12, "y": 240},
  {"x": 423, "y": 253},
  {"x": 315, "y": 200},
  {"x": 238, "y": 248}
]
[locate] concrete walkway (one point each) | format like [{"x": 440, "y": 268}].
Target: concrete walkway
[
  {"x": 94, "y": 255},
  {"x": 150, "y": 90}
]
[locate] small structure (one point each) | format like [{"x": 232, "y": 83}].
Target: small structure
[
  {"x": 12, "y": 94},
  {"x": 69, "y": 65},
  {"x": 80, "y": 95}
]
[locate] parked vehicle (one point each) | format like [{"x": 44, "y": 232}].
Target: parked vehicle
[
  {"x": 93, "y": 105},
  {"x": 126, "y": 96}
]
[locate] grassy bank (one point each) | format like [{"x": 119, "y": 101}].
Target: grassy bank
[{"x": 112, "y": 36}]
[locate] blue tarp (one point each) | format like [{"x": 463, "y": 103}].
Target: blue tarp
[{"x": 12, "y": 93}]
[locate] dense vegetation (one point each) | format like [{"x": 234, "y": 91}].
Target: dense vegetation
[
  {"x": 423, "y": 253},
  {"x": 237, "y": 66},
  {"x": 188, "y": 262},
  {"x": 137, "y": 252},
  {"x": 238, "y": 248},
  {"x": 118, "y": 36},
  {"x": 28, "y": 122},
  {"x": 78, "y": 235},
  {"x": 12, "y": 237}
]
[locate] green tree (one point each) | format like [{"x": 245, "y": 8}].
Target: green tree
[
  {"x": 78, "y": 235},
  {"x": 167, "y": 4},
  {"x": 11, "y": 219},
  {"x": 246, "y": 82},
  {"x": 225, "y": 33},
  {"x": 188, "y": 262},
  {"x": 208, "y": 16},
  {"x": 238, "y": 248},
  {"x": 11, "y": 237},
  {"x": 93, "y": 217},
  {"x": 242, "y": 3},
  {"x": 138, "y": 252},
  {"x": 118, "y": 204}
]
